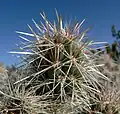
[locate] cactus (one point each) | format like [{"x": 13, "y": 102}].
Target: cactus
[{"x": 59, "y": 64}]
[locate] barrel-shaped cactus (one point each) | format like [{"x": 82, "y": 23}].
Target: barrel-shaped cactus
[{"x": 60, "y": 64}]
